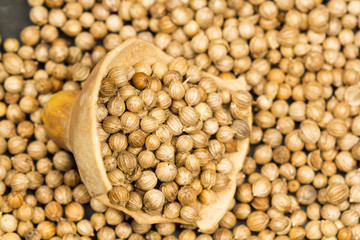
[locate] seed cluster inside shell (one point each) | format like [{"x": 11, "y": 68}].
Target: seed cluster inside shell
[{"x": 164, "y": 131}]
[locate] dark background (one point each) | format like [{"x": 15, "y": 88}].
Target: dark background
[{"x": 14, "y": 16}]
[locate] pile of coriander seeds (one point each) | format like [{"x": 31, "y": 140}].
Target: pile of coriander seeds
[
  {"x": 300, "y": 59},
  {"x": 164, "y": 131}
]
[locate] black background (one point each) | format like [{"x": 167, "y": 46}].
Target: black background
[{"x": 14, "y": 16}]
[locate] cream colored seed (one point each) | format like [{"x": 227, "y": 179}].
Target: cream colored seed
[
  {"x": 176, "y": 90},
  {"x": 147, "y": 180},
  {"x": 166, "y": 152},
  {"x": 119, "y": 195},
  {"x": 166, "y": 171},
  {"x": 337, "y": 193},
  {"x": 189, "y": 214},
  {"x": 149, "y": 124},
  {"x": 154, "y": 199},
  {"x": 188, "y": 116},
  {"x": 135, "y": 202},
  {"x": 192, "y": 96},
  {"x": 172, "y": 210}
]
